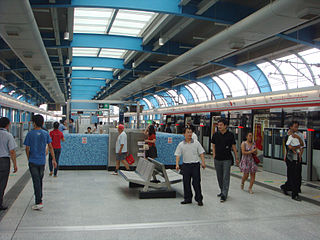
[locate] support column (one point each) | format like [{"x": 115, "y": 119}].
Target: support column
[
  {"x": 109, "y": 117},
  {"x": 138, "y": 115},
  {"x": 68, "y": 110}
]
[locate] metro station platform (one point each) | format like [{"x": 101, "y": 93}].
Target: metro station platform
[{"x": 97, "y": 205}]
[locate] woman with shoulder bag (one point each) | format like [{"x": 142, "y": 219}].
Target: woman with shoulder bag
[
  {"x": 151, "y": 141},
  {"x": 247, "y": 163}
]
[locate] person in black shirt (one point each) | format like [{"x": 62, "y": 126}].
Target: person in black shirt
[
  {"x": 167, "y": 128},
  {"x": 222, "y": 143}
]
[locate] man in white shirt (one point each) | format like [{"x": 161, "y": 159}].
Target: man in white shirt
[
  {"x": 293, "y": 163},
  {"x": 7, "y": 151},
  {"x": 190, "y": 150},
  {"x": 121, "y": 149}
]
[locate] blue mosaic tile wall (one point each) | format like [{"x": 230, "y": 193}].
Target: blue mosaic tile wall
[
  {"x": 166, "y": 150},
  {"x": 93, "y": 153}
]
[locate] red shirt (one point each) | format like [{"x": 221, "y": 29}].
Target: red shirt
[
  {"x": 56, "y": 137},
  {"x": 153, "y": 136}
]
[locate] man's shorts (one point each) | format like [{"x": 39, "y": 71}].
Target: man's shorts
[{"x": 121, "y": 156}]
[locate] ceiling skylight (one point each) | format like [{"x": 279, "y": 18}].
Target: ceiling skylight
[
  {"x": 85, "y": 52},
  {"x": 112, "y": 53}
]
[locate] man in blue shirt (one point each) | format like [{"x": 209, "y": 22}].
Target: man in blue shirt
[{"x": 36, "y": 142}]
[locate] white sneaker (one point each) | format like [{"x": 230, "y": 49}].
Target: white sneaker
[
  {"x": 37, "y": 206},
  {"x": 114, "y": 173}
]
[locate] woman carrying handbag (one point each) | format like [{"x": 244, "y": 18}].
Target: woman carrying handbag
[
  {"x": 151, "y": 141},
  {"x": 247, "y": 164}
]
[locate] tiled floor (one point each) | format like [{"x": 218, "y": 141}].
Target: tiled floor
[
  {"x": 274, "y": 181},
  {"x": 98, "y": 205}
]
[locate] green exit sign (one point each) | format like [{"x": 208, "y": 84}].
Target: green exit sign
[{"x": 104, "y": 105}]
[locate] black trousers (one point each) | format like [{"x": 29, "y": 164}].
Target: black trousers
[
  {"x": 294, "y": 178},
  {"x": 192, "y": 171},
  {"x": 4, "y": 175}
]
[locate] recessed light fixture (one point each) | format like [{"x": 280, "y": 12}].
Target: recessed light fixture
[
  {"x": 161, "y": 42},
  {"x": 66, "y": 36}
]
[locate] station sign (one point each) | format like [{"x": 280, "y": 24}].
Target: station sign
[
  {"x": 104, "y": 105},
  {"x": 84, "y": 140}
]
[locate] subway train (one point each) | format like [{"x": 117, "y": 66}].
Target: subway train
[{"x": 268, "y": 118}]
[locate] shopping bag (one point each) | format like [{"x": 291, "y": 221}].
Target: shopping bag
[{"x": 130, "y": 159}]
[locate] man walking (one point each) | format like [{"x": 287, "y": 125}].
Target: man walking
[
  {"x": 7, "y": 150},
  {"x": 121, "y": 149},
  {"x": 294, "y": 167},
  {"x": 36, "y": 142},
  {"x": 190, "y": 150},
  {"x": 222, "y": 143}
]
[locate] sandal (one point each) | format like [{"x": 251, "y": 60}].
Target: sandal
[{"x": 250, "y": 191}]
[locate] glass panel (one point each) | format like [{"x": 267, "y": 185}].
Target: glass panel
[
  {"x": 312, "y": 57},
  {"x": 175, "y": 97},
  {"x": 125, "y": 31},
  {"x": 234, "y": 84},
  {"x": 112, "y": 53},
  {"x": 247, "y": 80},
  {"x": 279, "y": 143},
  {"x": 201, "y": 94},
  {"x": 127, "y": 23},
  {"x": 92, "y": 12},
  {"x": 81, "y": 68},
  {"x": 131, "y": 23},
  {"x": 267, "y": 143},
  {"x": 148, "y": 103},
  {"x": 135, "y": 15},
  {"x": 182, "y": 99},
  {"x": 290, "y": 67},
  {"x": 223, "y": 86},
  {"x": 102, "y": 69},
  {"x": 89, "y": 29},
  {"x": 87, "y": 52},
  {"x": 160, "y": 100},
  {"x": 91, "y": 20},
  {"x": 207, "y": 90},
  {"x": 194, "y": 95},
  {"x": 274, "y": 76}
]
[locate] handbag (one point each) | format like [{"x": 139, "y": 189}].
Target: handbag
[
  {"x": 130, "y": 159},
  {"x": 255, "y": 158},
  {"x": 146, "y": 147}
]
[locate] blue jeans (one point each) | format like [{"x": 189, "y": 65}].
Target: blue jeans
[
  {"x": 57, "y": 152},
  {"x": 223, "y": 175},
  {"x": 37, "y": 176}
]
